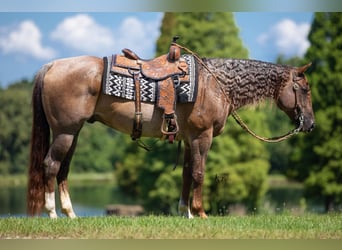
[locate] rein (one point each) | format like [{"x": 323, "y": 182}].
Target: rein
[
  {"x": 238, "y": 119},
  {"x": 273, "y": 139}
]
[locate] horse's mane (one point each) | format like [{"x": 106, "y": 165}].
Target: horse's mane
[{"x": 249, "y": 81}]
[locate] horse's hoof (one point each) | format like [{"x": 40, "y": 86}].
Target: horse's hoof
[{"x": 203, "y": 215}]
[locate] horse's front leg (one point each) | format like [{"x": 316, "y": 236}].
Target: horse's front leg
[
  {"x": 193, "y": 173},
  {"x": 183, "y": 205},
  {"x": 199, "y": 152}
]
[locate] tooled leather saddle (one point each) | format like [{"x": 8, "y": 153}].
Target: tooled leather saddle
[{"x": 166, "y": 70}]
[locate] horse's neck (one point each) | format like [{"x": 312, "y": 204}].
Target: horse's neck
[{"x": 249, "y": 81}]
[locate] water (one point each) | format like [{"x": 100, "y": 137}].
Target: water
[
  {"x": 92, "y": 199},
  {"x": 88, "y": 200},
  {"x": 291, "y": 199}
]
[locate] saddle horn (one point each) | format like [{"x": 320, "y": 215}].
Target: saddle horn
[{"x": 174, "y": 51}]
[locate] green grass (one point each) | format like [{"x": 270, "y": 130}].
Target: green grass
[{"x": 308, "y": 226}]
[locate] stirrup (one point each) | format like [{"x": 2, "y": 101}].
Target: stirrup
[{"x": 169, "y": 126}]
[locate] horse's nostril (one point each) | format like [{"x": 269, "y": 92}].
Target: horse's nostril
[{"x": 312, "y": 127}]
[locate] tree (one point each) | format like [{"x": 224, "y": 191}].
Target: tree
[
  {"x": 98, "y": 149},
  {"x": 208, "y": 34},
  {"x": 317, "y": 158},
  {"x": 15, "y": 124},
  {"x": 235, "y": 155},
  {"x": 148, "y": 177}
]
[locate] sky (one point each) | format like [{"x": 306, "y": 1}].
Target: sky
[{"x": 30, "y": 39}]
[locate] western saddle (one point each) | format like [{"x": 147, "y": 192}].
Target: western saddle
[{"x": 167, "y": 70}]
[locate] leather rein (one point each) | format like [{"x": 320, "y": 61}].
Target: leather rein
[{"x": 238, "y": 118}]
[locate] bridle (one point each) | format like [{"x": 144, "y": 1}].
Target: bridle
[
  {"x": 297, "y": 108},
  {"x": 282, "y": 137},
  {"x": 238, "y": 119}
]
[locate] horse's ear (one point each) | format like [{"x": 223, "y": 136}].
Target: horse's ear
[{"x": 302, "y": 69}]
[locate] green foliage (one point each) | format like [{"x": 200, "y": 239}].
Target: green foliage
[
  {"x": 166, "y": 30},
  {"x": 15, "y": 124},
  {"x": 317, "y": 157},
  {"x": 165, "y": 192},
  {"x": 148, "y": 176},
  {"x": 97, "y": 150},
  {"x": 208, "y": 34}
]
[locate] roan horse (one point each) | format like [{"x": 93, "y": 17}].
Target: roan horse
[{"x": 67, "y": 93}]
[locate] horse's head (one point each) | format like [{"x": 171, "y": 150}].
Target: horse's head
[{"x": 295, "y": 100}]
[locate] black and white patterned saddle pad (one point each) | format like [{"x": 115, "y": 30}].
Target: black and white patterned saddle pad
[{"x": 123, "y": 86}]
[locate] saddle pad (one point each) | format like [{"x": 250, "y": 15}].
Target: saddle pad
[{"x": 123, "y": 86}]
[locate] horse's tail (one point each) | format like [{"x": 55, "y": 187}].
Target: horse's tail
[{"x": 40, "y": 141}]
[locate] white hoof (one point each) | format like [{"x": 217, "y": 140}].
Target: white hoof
[{"x": 184, "y": 210}]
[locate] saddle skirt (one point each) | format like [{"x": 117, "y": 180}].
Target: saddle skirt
[{"x": 121, "y": 84}]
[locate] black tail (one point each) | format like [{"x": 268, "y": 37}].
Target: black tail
[{"x": 40, "y": 142}]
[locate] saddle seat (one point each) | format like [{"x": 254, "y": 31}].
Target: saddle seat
[{"x": 157, "y": 69}]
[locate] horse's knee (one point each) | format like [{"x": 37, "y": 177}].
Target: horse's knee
[
  {"x": 51, "y": 167},
  {"x": 198, "y": 177},
  {"x": 56, "y": 155}
]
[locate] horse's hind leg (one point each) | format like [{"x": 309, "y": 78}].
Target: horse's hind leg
[
  {"x": 63, "y": 183},
  {"x": 58, "y": 152}
]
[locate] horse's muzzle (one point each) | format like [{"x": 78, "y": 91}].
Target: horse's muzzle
[
  {"x": 311, "y": 127},
  {"x": 308, "y": 126}
]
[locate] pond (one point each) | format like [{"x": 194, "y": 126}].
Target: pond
[
  {"x": 88, "y": 200},
  {"x": 91, "y": 199}
]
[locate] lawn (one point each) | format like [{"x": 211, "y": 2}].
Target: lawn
[{"x": 280, "y": 226}]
